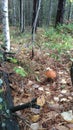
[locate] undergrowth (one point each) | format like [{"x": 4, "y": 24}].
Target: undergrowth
[{"x": 60, "y": 39}]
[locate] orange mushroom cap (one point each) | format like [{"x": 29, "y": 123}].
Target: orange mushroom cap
[{"x": 50, "y": 73}]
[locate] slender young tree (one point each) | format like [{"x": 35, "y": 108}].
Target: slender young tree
[
  {"x": 34, "y": 28},
  {"x": 22, "y": 15},
  {"x": 60, "y": 12},
  {"x": 6, "y": 24},
  {"x": 35, "y": 7}
]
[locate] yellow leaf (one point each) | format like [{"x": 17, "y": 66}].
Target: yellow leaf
[
  {"x": 41, "y": 101},
  {"x": 35, "y": 118}
]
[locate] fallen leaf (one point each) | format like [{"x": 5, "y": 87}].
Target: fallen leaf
[
  {"x": 41, "y": 89},
  {"x": 55, "y": 106},
  {"x": 60, "y": 72},
  {"x": 70, "y": 126},
  {"x": 60, "y": 127},
  {"x": 56, "y": 99},
  {"x": 68, "y": 116},
  {"x": 63, "y": 81},
  {"x": 41, "y": 101},
  {"x": 35, "y": 86},
  {"x": 70, "y": 98},
  {"x": 47, "y": 92},
  {"x": 34, "y": 126},
  {"x": 35, "y": 118},
  {"x": 64, "y": 91},
  {"x": 63, "y": 100},
  {"x": 34, "y": 110},
  {"x": 30, "y": 83}
]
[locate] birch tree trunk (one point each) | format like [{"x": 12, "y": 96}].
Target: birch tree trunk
[{"x": 6, "y": 24}]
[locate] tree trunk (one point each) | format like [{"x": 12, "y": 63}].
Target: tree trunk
[
  {"x": 60, "y": 12},
  {"x": 70, "y": 12},
  {"x": 14, "y": 13},
  {"x": 35, "y": 6},
  {"x": 50, "y": 11},
  {"x": 22, "y": 15},
  {"x": 34, "y": 28},
  {"x": 6, "y": 24}
]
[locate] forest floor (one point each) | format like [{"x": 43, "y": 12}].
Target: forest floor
[{"x": 54, "y": 97}]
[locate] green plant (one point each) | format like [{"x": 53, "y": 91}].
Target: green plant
[
  {"x": 12, "y": 60},
  {"x": 19, "y": 70},
  {"x": 65, "y": 28},
  {"x": 58, "y": 39}
]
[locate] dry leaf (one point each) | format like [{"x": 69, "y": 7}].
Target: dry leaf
[
  {"x": 16, "y": 99},
  {"x": 41, "y": 89},
  {"x": 51, "y": 115},
  {"x": 63, "y": 81},
  {"x": 48, "y": 93},
  {"x": 41, "y": 101},
  {"x": 56, "y": 99},
  {"x": 35, "y": 86},
  {"x": 34, "y": 110},
  {"x": 64, "y": 100},
  {"x": 30, "y": 83},
  {"x": 64, "y": 91},
  {"x": 35, "y": 118},
  {"x": 55, "y": 106},
  {"x": 60, "y": 72},
  {"x": 62, "y": 127},
  {"x": 70, "y": 126},
  {"x": 35, "y": 126},
  {"x": 68, "y": 116}
]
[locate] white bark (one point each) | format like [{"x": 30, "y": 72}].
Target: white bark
[{"x": 6, "y": 24}]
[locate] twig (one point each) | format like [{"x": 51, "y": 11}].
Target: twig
[{"x": 31, "y": 104}]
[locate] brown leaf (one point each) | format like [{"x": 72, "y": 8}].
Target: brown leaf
[
  {"x": 41, "y": 101},
  {"x": 70, "y": 126},
  {"x": 62, "y": 127}
]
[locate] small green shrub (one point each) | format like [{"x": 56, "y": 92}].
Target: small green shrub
[
  {"x": 12, "y": 60},
  {"x": 59, "y": 39},
  {"x": 19, "y": 70}
]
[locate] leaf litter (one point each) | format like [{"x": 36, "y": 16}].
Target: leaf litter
[{"x": 54, "y": 97}]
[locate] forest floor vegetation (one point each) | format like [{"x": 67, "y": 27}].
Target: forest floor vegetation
[{"x": 52, "y": 48}]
